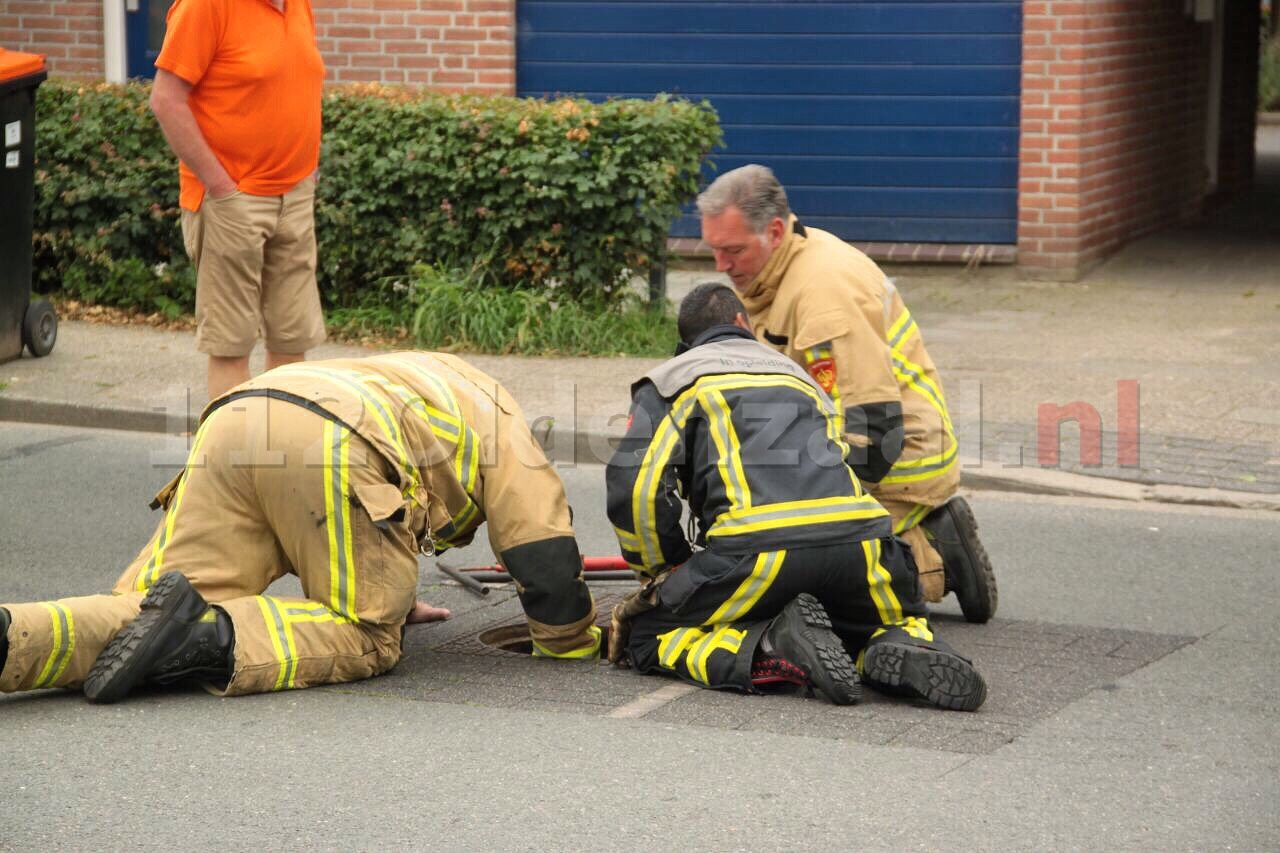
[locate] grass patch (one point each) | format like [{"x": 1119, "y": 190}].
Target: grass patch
[{"x": 452, "y": 312}]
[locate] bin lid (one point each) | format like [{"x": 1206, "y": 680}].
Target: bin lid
[{"x": 14, "y": 64}]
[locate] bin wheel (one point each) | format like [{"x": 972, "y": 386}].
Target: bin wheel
[{"x": 40, "y": 328}]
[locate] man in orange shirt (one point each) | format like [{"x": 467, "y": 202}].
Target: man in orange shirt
[{"x": 237, "y": 94}]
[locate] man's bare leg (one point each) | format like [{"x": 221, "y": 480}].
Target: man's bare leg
[
  {"x": 275, "y": 359},
  {"x": 226, "y": 373}
]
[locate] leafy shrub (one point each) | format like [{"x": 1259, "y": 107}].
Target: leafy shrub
[
  {"x": 563, "y": 195},
  {"x": 106, "y": 202},
  {"x": 530, "y": 193},
  {"x": 1269, "y": 75}
]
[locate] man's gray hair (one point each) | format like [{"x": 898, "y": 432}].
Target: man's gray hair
[{"x": 753, "y": 190}]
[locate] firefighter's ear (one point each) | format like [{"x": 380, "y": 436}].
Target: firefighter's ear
[
  {"x": 740, "y": 320},
  {"x": 682, "y": 348}
]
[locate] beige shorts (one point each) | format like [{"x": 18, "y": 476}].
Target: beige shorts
[{"x": 255, "y": 260}]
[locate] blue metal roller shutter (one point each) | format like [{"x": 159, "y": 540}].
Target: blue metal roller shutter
[{"x": 886, "y": 121}]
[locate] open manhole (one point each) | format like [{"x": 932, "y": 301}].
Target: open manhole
[{"x": 515, "y": 638}]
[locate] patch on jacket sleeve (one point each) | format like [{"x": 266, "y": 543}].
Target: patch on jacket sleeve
[{"x": 821, "y": 364}]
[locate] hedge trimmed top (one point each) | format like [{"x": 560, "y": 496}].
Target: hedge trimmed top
[{"x": 527, "y": 193}]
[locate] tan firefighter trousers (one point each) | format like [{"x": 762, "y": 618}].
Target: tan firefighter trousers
[{"x": 270, "y": 488}]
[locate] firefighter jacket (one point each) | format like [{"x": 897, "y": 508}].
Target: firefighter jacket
[
  {"x": 829, "y": 307},
  {"x": 461, "y": 454},
  {"x": 751, "y": 441}
]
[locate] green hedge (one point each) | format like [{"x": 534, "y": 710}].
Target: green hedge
[
  {"x": 106, "y": 204},
  {"x": 566, "y": 194},
  {"x": 1269, "y": 74}
]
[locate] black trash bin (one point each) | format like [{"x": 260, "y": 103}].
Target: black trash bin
[{"x": 22, "y": 322}]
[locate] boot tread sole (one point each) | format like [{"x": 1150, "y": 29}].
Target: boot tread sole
[
  {"x": 836, "y": 678},
  {"x": 118, "y": 668},
  {"x": 942, "y": 680}
]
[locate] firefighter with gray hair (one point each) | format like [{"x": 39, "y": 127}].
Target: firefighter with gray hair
[
  {"x": 793, "y": 575},
  {"x": 832, "y": 310}
]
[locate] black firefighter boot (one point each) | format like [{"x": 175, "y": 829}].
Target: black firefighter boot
[
  {"x": 932, "y": 672},
  {"x": 176, "y": 636},
  {"x": 799, "y": 646},
  {"x": 954, "y": 532}
]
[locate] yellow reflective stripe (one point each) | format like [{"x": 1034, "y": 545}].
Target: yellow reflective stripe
[
  {"x": 281, "y": 637},
  {"x": 447, "y": 399},
  {"x": 914, "y": 626},
  {"x": 151, "y": 571},
  {"x": 880, "y": 584},
  {"x": 337, "y": 514},
  {"x": 316, "y": 614},
  {"x": 898, "y": 330},
  {"x": 918, "y": 627},
  {"x": 795, "y": 514},
  {"x": 627, "y": 539},
  {"x": 725, "y": 637},
  {"x": 63, "y": 644},
  {"x": 455, "y": 433},
  {"x": 910, "y": 476},
  {"x": 910, "y": 373},
  {"x": 914, "y": 377},
  {"x": 673, "y": 643},
  {"x": 827, "y": 405},
  {"x": 373, "y": 404},
  {"x": 695, "y": 662},
  {"x": 467, "y": 458},
  {"x": 912, "y": 518},
  {"x": 644, "y": 496},
  {"x": 749, "y": 591},
  {"x": 591, "y": 651},
  {"x": 662, "y": 445},
  {"x": 737, "y": 492}
]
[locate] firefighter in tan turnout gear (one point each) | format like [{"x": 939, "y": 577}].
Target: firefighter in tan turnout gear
[
  {"x": 828, "y": 307},
  {"x": 340, "y": 472},
  {"x": 798, "y": 571}
]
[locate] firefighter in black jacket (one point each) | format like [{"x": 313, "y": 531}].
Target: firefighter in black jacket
[{"x": 796, "y": 569}]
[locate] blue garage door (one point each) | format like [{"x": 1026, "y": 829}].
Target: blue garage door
[{"x": 893, "y": 121}]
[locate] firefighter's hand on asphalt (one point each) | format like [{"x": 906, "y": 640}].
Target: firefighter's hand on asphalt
[{"x": 423, "y": 612}]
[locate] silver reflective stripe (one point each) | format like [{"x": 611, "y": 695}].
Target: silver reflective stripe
[
  {"x": 56, "y": 663},
  {"x": 288, "y": 665},
  {"x": 725, "y": 525},
  {"x": 338, "y": 522}
]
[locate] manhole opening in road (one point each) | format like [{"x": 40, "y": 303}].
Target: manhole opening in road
[{"x": 515, "y": 638}]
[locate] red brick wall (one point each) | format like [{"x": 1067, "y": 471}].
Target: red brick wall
[
  {"x": 451, "y": 45},
  {"x": 1114, "y": 94},
  {"x": 68, "y": 33}
]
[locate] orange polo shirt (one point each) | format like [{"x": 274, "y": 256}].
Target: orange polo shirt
[{"x": 257, "y": 78}]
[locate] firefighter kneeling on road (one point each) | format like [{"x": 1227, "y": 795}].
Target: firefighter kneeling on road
[
  {"x": 798, "y": 571},
  {"x": 340, "y": 472},
  {"x": 829, "y": 308}
]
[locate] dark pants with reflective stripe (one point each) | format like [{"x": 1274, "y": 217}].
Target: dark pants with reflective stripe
[{"x": 714, "y": 609}]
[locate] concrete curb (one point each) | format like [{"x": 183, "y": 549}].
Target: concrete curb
[{"x": 587, "y": 447}]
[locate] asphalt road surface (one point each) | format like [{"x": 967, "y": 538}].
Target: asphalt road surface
[{"x": 1133, "y": 706}]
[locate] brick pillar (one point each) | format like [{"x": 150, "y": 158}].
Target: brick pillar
[
  {"x": 68, "y": 33},
  {"x": 446, "y": 45},
  {"x": 1113, "y": 121}
]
